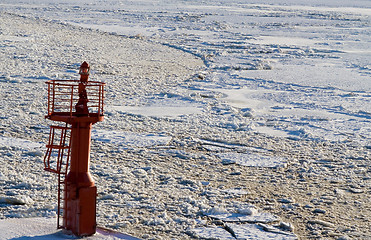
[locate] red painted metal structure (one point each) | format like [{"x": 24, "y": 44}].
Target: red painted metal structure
[{"x": 78, "y": 104}]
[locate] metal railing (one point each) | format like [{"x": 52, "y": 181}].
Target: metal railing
[{"x": 63, "y": 95}]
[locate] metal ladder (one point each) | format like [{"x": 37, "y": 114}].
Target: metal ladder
[{"x": 57, "y": 160}]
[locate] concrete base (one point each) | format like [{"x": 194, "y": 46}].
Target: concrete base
[{"x": 45, "y": 229}]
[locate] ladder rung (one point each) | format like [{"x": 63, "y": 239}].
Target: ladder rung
[
  {"x": 51, "y": 170},
  {"x": 57, "y": 147}
]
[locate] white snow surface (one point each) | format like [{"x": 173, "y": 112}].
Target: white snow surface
[
  {"x": 197, "y": 92},
  {"x": 45, "y": 228}
]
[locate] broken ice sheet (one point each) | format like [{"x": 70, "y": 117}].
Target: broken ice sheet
[
  {"x": 211, "y": 233},
  {"x": 240, "y": 217},
  {"x": 167, "y": 107},
  {"x": 254, "y": 231},
  {"x": 235, "y": 191},
  {"x": 130, "y": 139},
  {"x": 217, "y": 146},
  {"x": 251, "y": 160},
  {"x": 19, "y": 200},
  {"x": 19, "y": 143}
]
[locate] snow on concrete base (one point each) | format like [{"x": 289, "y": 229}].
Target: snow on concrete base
[{"x": 45, "y": 228}]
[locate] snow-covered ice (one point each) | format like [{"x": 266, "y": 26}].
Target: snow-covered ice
[
  {"x": 249, "y": 50},
  {"x": 19, "y": 143},
  {"x": 130, "y": 139},
  {"x": 209, "y": 105},
  {"x": 251, "y": 160}
]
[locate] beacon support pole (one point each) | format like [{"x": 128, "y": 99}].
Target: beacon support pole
[{"x": 80, "y": 198}]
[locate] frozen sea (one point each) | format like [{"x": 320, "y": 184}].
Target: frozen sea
[
  {"x": 197, "y": 93},
  {"x": 298, "y": 69}
]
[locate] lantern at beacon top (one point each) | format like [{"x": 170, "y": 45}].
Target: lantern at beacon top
[{"x": 84, "y": 72}]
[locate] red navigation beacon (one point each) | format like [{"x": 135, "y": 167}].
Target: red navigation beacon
[{"x": 75, "y": 105}]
